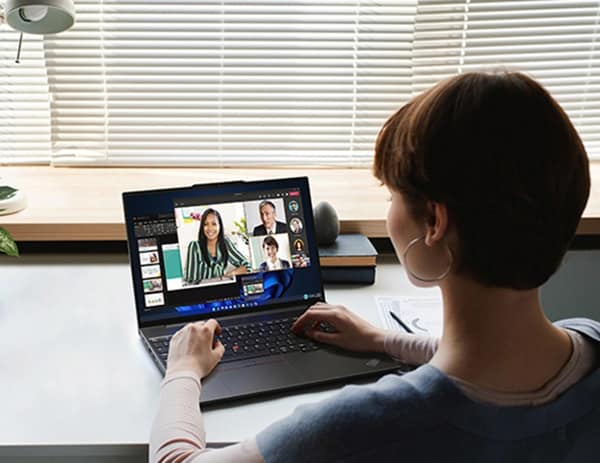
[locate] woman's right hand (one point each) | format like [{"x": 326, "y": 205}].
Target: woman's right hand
[
  {"x": 195, "y": 348},
  {"x": 343, "y": 328}
]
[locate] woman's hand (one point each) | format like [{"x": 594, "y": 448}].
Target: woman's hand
[
  {"x": 342, "y": 328},
  {"x": 236, "y": 271},
  {"x": 194, "y": 348}
]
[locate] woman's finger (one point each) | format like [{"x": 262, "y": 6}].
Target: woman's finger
[
  {"x": 219, "y": 349},
  {"x": 213, "y": 325},
  {"x": 322, "y": 336},
  {"x": 313, "y": 314}
]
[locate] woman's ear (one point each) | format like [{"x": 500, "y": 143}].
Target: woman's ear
[{"x": 437, "y": 223}]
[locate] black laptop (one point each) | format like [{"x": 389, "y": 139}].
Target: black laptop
[{"x": 244, "y": 253}]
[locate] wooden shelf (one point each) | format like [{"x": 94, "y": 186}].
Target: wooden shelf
[{"x": 84, "y": 204}]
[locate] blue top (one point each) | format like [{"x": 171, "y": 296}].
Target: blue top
[{"x": 422, "y": 416}]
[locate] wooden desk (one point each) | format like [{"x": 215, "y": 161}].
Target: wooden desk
[{"x": 84, "y": 204}]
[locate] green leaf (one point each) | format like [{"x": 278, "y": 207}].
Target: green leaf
[
  {"x": 7, "y": 192},
  {"x": 7, "y": 244}
]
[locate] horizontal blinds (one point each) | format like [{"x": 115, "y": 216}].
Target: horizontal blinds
[
  {"x": 383, "y": 67},
  {"x": 24, "y": 105},
  {"x": 553, "y": 41},
  {"x": 267, "y": 82},
  {"x": 227, "y": 83}
]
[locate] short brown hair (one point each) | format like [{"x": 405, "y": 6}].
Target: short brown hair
[
  {"x": 505, "y": 159},
  {"x": 270, "y": 241}
]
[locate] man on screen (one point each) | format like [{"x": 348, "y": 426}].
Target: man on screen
[{"x": 268, "y": 217}]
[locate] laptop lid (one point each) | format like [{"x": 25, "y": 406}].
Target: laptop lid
[{"x": 221, "y": 249}]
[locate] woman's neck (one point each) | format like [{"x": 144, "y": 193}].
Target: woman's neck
[{"x": 498, "y": 338}]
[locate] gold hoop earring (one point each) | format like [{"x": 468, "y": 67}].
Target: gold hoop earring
[{"x": 440, "y": 277}]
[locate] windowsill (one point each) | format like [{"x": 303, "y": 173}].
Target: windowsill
[{"x": 84, "y": 204}]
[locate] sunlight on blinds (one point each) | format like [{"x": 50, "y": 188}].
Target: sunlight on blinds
[
  {"x": 228, "y": 83},
  {"x": 24, "y": 104},
  {"x": 553, "y": 41}
]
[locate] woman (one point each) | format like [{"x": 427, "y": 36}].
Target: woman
[
  {"x": 271, "y": 248},
  {"x": 488, "y": 180},
  {"x": 209, "y": 256},
  {"x": 299, "y": 257}
]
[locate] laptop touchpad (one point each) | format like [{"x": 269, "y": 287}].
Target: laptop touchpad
[{"x": 257, "y": 375}]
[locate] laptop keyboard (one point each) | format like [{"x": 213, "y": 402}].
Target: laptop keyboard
[{"x": 249, "y": 340}]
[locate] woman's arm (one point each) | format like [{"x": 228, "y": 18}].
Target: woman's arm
[
  {"x": 193, "y": 271},
  {"x": 353, "y": 333},
  {"x": 412, "y": 349},
  {"x": 178, "y": 430},
  {"x": 237, "y": 259}
]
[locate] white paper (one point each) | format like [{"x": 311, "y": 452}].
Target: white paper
[{"x": 423, "y": 315}]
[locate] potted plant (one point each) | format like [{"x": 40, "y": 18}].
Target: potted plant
[{"x": 10, "y": 201}]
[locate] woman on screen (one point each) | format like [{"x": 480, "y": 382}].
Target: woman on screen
[
  {"x": 209, "y": 256},
  {"x": 488, "y": 180},
  {"x": 271, "y": 248}
]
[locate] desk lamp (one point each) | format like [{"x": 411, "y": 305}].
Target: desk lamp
[
  {"x": 32, "y": 17},
  {"x": 39, "y": 17}
]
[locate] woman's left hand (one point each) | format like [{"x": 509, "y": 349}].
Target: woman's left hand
[
  {"x": 194, "y": 348},
  {"x": 345, "y": 329}
]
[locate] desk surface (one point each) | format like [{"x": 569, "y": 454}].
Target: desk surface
[
  {"x": 75, "y": 372},
  {"x": 82, "y": 204}
]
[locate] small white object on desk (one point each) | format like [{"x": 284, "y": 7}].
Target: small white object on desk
[
  {"x": 11, "y": 200},
  {"x": 423, "y": 315}
]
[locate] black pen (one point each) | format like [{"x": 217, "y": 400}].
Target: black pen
[{"x": 401, "y": 323}]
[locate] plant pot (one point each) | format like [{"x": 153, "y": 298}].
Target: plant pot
[{"x": 11, "y": 200}]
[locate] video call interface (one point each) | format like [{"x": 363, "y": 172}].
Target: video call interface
[{"x": 223, "y": 255}]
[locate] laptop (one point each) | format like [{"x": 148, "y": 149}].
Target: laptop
[{"x": 244, "y": 253}]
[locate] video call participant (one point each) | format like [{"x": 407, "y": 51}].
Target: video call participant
[
  {"x": 299, "y": 258},
  {"x": 209, "y": 256},
  {"x": 271, "y": 247},
  {"x": 268, "y": 216},
  {"x": 296, "y": 225}
]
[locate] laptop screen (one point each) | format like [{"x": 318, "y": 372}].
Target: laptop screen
[{"x": 207, "y": 250}]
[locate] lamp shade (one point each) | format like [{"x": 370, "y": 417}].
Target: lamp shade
[{"x": 40, "y": 16}]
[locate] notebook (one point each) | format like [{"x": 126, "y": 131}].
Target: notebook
[{"x": 244, "y": 253}]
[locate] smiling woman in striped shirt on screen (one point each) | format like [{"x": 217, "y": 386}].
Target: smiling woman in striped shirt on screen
[{"x": 212, "y": 252}]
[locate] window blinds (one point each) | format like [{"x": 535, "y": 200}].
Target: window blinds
[
  {"x": 24, "y": 105},
  {"x": 190, "y": 82},
  {"x": 553, "y": 41}
]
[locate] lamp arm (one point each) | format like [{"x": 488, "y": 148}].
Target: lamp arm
[{"x": 19, "y": 48}]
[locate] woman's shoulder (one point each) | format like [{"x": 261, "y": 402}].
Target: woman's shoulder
[
  {"x": 193, "y": 245},
  {"x": 586, "y": 326},
  {"x": 376, "y": 413},
  {"x": 228, "y": 241}
]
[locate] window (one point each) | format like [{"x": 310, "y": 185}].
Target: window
[
  {"x": 553, "y": 41},
  {"x": 24, "y": 103},
  {"x": 214, "y": 83},
  {"x": 228, "y": 83}
]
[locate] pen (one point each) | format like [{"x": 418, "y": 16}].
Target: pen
[{"x": 401, "y": 323}]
